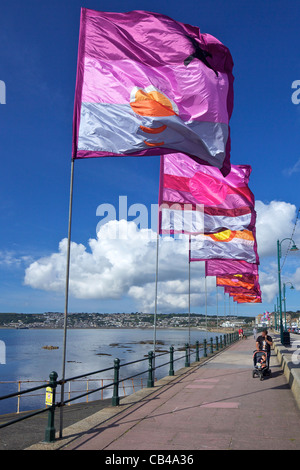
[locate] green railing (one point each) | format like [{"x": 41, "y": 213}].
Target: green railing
[{"x": 51, "y": 387}]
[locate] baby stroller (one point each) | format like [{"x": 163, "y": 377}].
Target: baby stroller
[{"x": 261, "y": 366}]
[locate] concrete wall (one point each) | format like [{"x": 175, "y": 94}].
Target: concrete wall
[{"x": 289, "y": 360}]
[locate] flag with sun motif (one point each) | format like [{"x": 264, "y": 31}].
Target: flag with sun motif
[
  {"x": 149, "y": 85},
  {"x": 223, "y": 267},
  {"x": 237, "y": 280},
  {"x": 229, "y": 244}
]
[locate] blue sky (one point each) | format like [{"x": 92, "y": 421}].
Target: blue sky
[{"x": 38, "y": 58}]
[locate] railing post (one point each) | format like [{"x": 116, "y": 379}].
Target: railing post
[
  {"x": 204, "y": 348},
  {"x": 221, "y": 343},
  {"x": 50, "y": 429},
  {"x": 197, "y": 351},
  {"x": 224, "y": 341},
  {"x": 115, "y": 397},
  {"x": 171, "y": 371},
  {"x": 211, "y": 346},
  {"x": 150, "y": 382},
  {"x": 217, "y": 344},
  {"x": 187, "y": 361}
]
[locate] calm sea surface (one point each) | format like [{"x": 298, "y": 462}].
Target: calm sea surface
[{"x": 88, "y": 350}]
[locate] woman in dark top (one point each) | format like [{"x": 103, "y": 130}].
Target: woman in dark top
[{"x": 264, "y": 343}]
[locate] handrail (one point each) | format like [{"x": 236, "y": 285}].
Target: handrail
[{"x": 53, "y": 383}]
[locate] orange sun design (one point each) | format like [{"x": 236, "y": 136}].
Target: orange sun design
[
  {"x": 152, "y": 102},
  {"x": 225, "y": 236}
]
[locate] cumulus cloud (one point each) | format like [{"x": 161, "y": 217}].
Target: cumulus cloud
[
  {"x": 268, "y": 283},
  {"x": 112, "y": 267},
  {"x": 275, "y": 221}
]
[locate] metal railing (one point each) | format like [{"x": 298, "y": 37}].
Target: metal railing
[
  {"x": 50, "y": 387},
  {"x": 75, "y": 386}
]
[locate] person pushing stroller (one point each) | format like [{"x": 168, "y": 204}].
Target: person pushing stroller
[{"x": 264, "y": 343}]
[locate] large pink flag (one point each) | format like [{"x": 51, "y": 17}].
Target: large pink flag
[
  {"x": 197, "y": 198},
  {"x": 149, "y": 85}
]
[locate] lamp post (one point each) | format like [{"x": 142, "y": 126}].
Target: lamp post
[
  {"x": 284, "y": 299},
  {"x": 275, "y": 315},
  {"x": 293, "y": 248}
]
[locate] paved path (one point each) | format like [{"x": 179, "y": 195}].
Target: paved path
[
  {"x": 217, "y": 405},
  {"x": 21, "y": 435}
]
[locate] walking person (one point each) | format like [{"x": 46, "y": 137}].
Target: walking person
[
  {"x": 264, "y": 343},
  {"x": 254, "y": 332}
]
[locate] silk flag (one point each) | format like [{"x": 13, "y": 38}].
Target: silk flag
[
  {"x": 244, "y": 281},
  {"x": 221, "y": 267},
  {"x": 237, "y": 245},
  {"x": 149, "y": 85},
  {"x": 243, "y": 298},
  {"x": 240, "y": 299},
  {"x": 240, "y": 290},
  {"x": 197, "y": 198}
]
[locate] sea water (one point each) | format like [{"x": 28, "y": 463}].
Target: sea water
[{"x": 87, "y": 350}]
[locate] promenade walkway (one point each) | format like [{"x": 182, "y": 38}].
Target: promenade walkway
[{"x": 213, "y": 406}]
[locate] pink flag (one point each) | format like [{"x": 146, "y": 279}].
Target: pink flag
[
  {"x": 148, "y": 85},
  {"x": 197, "y": 198},
  {"x": 215, "y": 267}
]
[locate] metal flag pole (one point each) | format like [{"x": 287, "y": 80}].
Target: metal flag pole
[
  {"x": 161, "y": 165},
  {"x": 66, "y": 300},
  {"x": 217, "y": 308},
  {"x": 156, "y": 282},
  {"x": 189, "y": 341},
  {"x": 205, "y": 305}
]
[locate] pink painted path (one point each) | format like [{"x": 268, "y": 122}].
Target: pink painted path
[{"x": 215, "y": 406}]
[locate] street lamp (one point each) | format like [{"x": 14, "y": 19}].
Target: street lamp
[
  {"x": 284, "y": 299},
  {"x": 275, "y": 317},
  {"x": 293, "y": 248}
]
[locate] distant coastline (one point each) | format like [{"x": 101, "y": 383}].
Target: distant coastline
[
  {"x": 55, "y": 320},
  {"x": 178, "y": 328}
]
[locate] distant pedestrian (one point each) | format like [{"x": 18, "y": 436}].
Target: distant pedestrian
[{"x": 254, "y": 333}]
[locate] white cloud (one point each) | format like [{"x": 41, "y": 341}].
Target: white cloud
[
  {"x": 294, "y": 169},
  {"x": 268, "y": 284},
  {"x": 111, "y": 268},
  {"x": 275, "y": 221},
  {"x": 11, "y": 259},
  {"x": 295, "y": 279}
]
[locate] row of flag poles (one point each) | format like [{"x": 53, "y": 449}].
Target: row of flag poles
[{"x": 148, "y": 85}]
